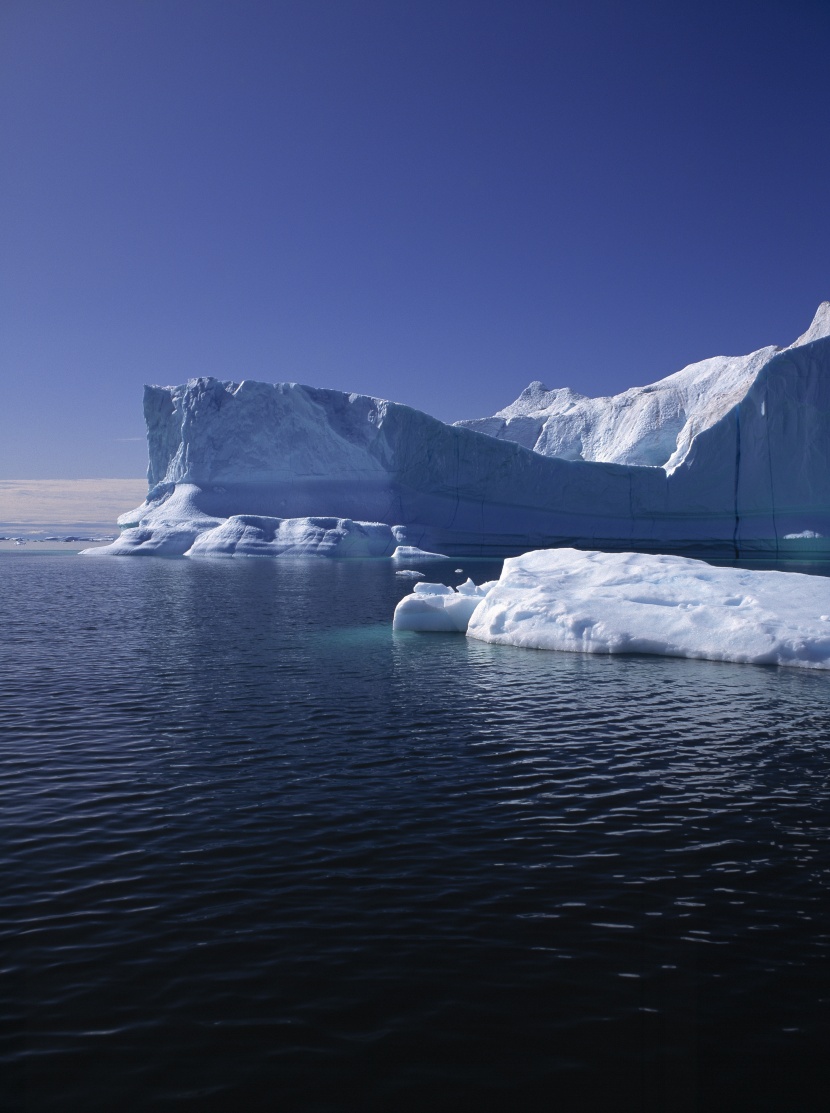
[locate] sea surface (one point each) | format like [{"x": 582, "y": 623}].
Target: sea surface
[{"x": 258, "y": 851}]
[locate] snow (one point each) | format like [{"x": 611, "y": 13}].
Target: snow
[
  {"x": 649, "y": 426},
  {"x": 819, "y": 328},
  {"x": 436, "y": 608},
  {"x": 246, "y": 468},
  {"x": 592, "y": 602}
]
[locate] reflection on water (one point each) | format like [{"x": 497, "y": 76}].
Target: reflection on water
[{"x": 256, "y": 846}]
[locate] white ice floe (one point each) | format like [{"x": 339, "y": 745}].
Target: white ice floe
[
  {"x": 409, "y": 574},
  {"x": 439, "y": 609},
  {"x": 592, "y": 602},
  {"x": 412, "y": 552}
]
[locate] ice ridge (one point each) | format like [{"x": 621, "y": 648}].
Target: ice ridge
[{"x": 653, "y": 426}]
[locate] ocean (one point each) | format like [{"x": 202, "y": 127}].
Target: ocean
[{"x": 258, "y": 851}]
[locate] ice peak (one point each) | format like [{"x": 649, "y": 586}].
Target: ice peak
[
  {"x": 534, "y": 392},
  {"x": 819, "y": 328}
]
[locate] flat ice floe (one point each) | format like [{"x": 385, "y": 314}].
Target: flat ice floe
[{"x": 593, "y": 602}]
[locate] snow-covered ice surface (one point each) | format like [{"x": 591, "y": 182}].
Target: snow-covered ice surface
[
  {"x": 437, "y": 608},
  {"x": 590, "y": 602},
  {"x": 738, "y": 448},
  {"x": 651, "y": 425}
]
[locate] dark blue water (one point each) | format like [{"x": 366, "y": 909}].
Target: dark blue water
[{"x": 259, "y": 852}]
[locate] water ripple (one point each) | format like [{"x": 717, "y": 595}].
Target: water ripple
[{"x": 254, "y": 842}]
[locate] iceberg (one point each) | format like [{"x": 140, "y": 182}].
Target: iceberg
[
  {"x": 592, "y": 602},
  {"x": 729, "y": 457}
]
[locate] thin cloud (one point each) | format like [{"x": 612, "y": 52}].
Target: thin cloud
[{"x": 33, "y": 502}]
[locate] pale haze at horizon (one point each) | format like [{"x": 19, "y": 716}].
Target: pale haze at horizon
[{"x": 434, "y": 203}]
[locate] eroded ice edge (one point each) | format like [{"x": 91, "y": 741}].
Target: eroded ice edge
[
  {"x": 593, "y": 602},
  {"x": 179, "y": 527}
]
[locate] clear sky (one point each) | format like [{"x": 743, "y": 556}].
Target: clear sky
[{"x": 435, "y": 202}]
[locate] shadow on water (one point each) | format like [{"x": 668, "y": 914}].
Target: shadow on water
[{"x": 260, "y": 851}]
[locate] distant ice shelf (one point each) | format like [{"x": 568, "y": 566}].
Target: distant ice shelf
[
  {"x": 729, "y": 457},
  {"x": 609, "y": 603}
]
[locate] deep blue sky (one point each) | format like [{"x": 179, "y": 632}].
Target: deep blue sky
[{"x": 431, "y": 202}]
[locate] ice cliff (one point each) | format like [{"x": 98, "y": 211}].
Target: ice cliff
[{"x": 726, "y": 456}]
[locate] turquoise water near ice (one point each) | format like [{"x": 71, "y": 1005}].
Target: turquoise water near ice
[{"x": 258, "y": 851}]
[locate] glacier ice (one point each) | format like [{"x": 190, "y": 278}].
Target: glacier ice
[
  {"x": 729, "y": 457},
  {"x": 652, "y": 425},
  {"x": 592, "y": 602}
]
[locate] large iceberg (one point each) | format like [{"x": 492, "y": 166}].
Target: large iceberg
[
  {"x": 591, "y": 602},
  {"x": 730, "y": 456}
]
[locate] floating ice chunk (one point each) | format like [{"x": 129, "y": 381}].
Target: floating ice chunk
[
  {"x": 412, "y": 552},
  {"x": 439, "y": 608},
  {"x": 594, "y": 602},
  {"x": 409, "y": 574},
  {"x": 436, "y": 613}
]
